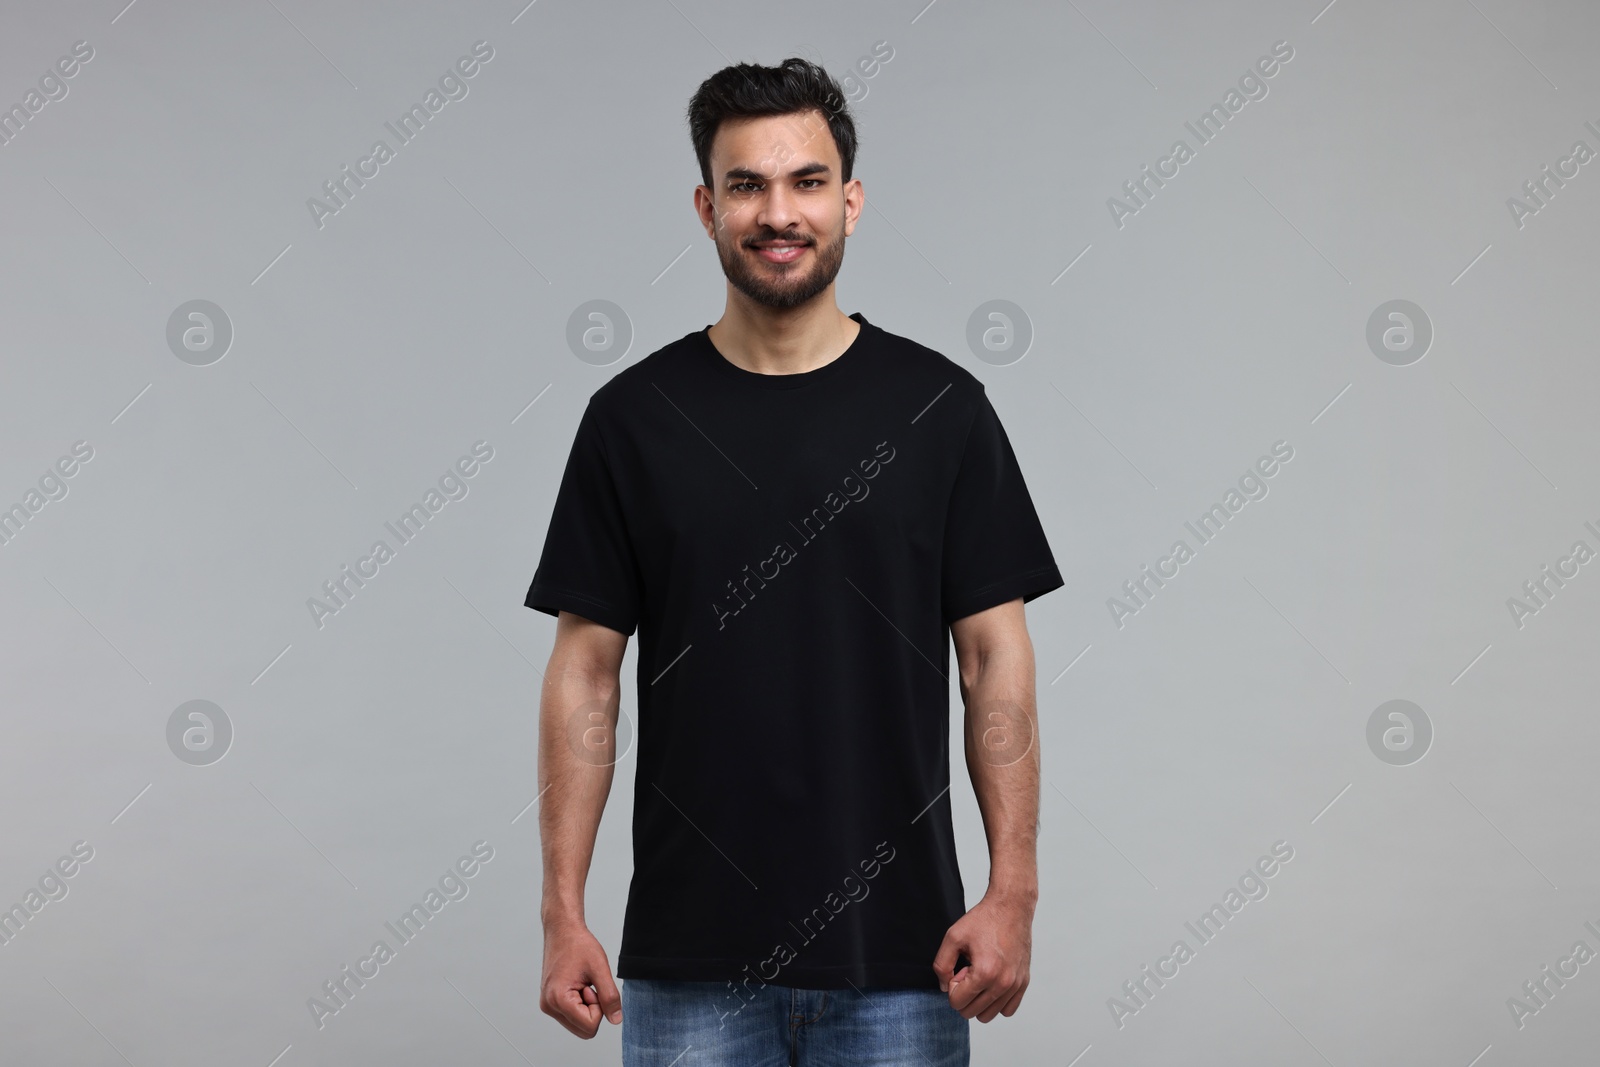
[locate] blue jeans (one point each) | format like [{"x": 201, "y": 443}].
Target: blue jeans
[{"x": 701, "y": 1024}]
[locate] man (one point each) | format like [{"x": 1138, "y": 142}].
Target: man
[{"x": 792, "y": 506}]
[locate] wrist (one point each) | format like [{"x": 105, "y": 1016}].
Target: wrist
[
  {"x": 1016, "y": 891},
  {"x": 553, "y": 914}
]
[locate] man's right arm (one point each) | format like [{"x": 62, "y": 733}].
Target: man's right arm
[{"x": 577, "y": 750}]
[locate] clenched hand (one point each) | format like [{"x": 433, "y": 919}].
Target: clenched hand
[
  {"x": 577, "y": 988},
  {"x": 997, "y": 938}
]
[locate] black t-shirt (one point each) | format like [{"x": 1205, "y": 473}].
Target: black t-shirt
[{"x": 792, "y": 549}]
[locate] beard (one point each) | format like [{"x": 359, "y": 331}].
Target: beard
[{"x": 781, "y": 286}]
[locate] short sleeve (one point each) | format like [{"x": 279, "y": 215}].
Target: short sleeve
[
  {"x": 994, "y": 544},
  {"x": 588, "y": 565}
]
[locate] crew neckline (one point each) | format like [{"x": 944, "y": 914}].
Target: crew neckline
[{"x": 848, "y": 358}]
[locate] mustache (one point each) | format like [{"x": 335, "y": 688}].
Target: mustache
[{"x": 780, "y": 237}]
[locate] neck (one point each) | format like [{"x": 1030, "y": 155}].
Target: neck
[{"x": 782, "y": 340}]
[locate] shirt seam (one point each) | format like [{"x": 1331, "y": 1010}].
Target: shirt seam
[
  {"x": 737, "y": 374},
  {"x": 1007, "y": 580},
  {"x": 575, "y": 595},
  {"x": 724, "y": 960}
]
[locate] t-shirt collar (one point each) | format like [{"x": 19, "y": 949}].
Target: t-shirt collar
[{"x": 838, "y": 365}]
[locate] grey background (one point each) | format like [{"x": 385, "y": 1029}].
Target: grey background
[{"x": 369, "y": 354}]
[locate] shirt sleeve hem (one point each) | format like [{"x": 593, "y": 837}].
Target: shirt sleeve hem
[
  {"x": 553, "y": 601},
  {"x": 1028, "y": 585}
]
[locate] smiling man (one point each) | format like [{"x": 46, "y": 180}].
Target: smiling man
[{"x": 797, "y": 510}]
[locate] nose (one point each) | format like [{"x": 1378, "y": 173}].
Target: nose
[{"x": 779, "y": 208}]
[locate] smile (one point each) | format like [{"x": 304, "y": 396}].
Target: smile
[{"x": 780, "y": 253}]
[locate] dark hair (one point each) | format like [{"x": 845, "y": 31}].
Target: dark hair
[{"x": 747, "y": 90}]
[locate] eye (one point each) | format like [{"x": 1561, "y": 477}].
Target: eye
[{"x": 811, "y": 181}]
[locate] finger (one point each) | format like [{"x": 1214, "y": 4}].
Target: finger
[
  {"x": 582, "y": 1019},
  {"x": 609, "y": 999},
  {"x": 967, "y": 992},
  {"x": 560, "y": 1016},
  {"x": 991, "y": 1005},
  {"x": 1015, "y": 1002},
  {"x": 944, "y": 961}
]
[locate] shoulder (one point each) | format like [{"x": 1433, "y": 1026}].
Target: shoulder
[
  {"x": 928, "y": 373},
  {"x": 631, "y": 385}
]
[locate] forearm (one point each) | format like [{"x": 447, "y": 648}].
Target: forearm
[
  {"x": 1002, "y": 750},
  {"x": 578, "y": 714}
]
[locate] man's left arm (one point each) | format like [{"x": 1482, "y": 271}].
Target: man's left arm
[{"x": 995, "y": 657}]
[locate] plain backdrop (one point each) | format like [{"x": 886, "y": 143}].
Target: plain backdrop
[{"x": 1167, "y": 352}]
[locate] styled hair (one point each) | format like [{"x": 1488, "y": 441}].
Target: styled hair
[{"x": 747, "y": 90}]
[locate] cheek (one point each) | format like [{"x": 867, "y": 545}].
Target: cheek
[{"x": 733, "y": 220}]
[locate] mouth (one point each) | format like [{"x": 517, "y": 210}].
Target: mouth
[{"x": 780, "y": 251}]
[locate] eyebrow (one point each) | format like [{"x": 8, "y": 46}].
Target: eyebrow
[{"x": 803, "y": 171}]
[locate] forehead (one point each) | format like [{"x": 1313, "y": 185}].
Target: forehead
[{"x": 801, "y": 133}]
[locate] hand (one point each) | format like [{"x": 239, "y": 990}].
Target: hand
[
  {"x": 577, "y": 988},
  {"x": 997, "y": 937}
]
